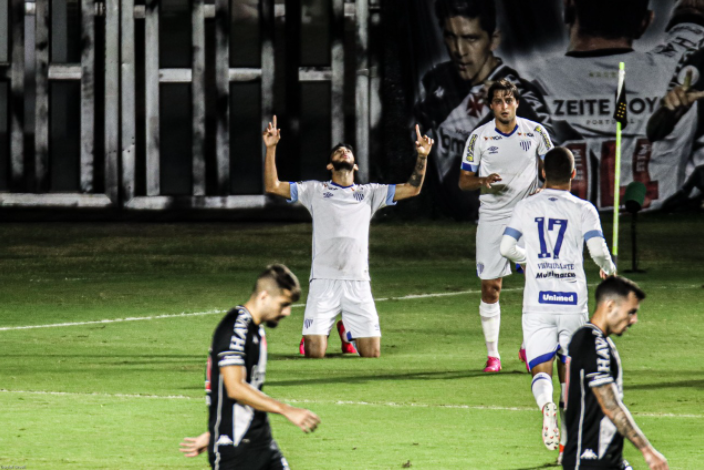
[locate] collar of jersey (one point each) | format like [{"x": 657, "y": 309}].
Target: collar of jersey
[
  {"x": 340, "y": 186},
  {"x": 509, "y": 134}
]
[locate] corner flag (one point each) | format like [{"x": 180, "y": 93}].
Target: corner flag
[
  {"x": 621, "y": 117},
  {"x": 621, "y": 109}
]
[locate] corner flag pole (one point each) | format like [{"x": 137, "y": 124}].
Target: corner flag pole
[{"x": 620, "y": 98}]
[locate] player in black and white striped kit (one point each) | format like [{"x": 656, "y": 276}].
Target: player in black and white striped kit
[
  {"x": 239, "y": 435},
  {"x": 596, "y": 418}
]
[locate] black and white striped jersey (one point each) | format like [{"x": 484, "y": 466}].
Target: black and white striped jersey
[
  {"x": 237, "y": 341},
  {"x": 592, "y": 439}
]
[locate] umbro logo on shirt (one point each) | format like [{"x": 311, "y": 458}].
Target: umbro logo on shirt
[
  {"x": 328, "y": 195},
  {"x": 493, "y": 150}
]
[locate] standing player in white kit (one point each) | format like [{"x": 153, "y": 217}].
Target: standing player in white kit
[
  {"x": 341, "y": 212},
  {"x": 501, "y": 158},
  {"x": 555, "y": 225}
]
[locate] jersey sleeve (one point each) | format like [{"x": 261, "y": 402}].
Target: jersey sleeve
[
  {"x": 302, "y": 192},
  {"x": 229, "y": 346},
  {"x": 545, "y": 143},
  {"x": 471, "y": 157},
  {"x": 382, "y": 195},
  {"x": 515, "y": 225},
  {"x": 591, "y": 223}
]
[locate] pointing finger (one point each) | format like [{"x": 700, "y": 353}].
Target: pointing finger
[
  {"x": 418, "y": 132},
  {"x": 275, "y": 121}
]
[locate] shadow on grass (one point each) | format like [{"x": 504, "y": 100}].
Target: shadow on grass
[{"x": 422, "y": 375}]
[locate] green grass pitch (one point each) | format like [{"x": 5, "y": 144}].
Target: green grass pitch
[{"x": 122, "y": 395}]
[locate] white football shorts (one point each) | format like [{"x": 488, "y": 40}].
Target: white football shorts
[
  {"x": 329, "y": 297},
  {"x": 490, "y": 263},
  {"x": 546, "y": 335}
]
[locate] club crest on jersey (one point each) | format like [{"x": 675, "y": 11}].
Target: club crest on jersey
[
  {"x": 493, "y": 150},
  {"x": 525, "y": 145},
  {"x": 480, "y": 268},
  {"x": 328, "y": 195},
  {"x": 359, "y": 197}
]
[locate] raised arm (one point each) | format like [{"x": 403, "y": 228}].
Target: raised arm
[
  {"x": 412, "y": 188},
  {"x": 616, "y": 411},
  {"x": 235, "y": 379},
  {"x": 272, "y": 185}
]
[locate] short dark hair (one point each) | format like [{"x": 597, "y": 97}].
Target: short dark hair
[
  {"x": 608, "y": 18},
  {"x": 558, "y": 165},
  {"x": 340, "y": 145},
  {"x": 282, "y": 277},
  {"x": 485, "y": 10},
  {"x": 617, "y": 286},
  {"x": 503, "y": 85}
]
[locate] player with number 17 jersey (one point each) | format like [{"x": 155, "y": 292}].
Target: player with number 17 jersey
[{"x": 555, "y": 225}]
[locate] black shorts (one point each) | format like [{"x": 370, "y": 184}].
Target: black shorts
[{"x": 250, "y": 456}]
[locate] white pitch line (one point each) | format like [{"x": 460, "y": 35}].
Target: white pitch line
[
  {"x": 218, "y": 311},
  {"x": 332, "y": 402}
]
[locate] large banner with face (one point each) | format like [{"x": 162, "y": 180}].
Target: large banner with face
[{"x": 563, "y": 55}]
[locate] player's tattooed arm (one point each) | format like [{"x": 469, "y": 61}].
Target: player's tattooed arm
[
  {"x": 616, "y": 411},
  {"x": 424, "y": 145},
  {"x": 271, "y": 137}
]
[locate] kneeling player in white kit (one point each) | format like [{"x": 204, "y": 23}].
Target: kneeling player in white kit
[
  {"x": 341, "y": 212},
  {"x": 555, "y": 224}
]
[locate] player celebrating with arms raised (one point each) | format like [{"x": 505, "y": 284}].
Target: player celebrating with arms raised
[
  {"x": 596, "y": 418},
  {"x": 341, "y": 212},
  {"x": 501, "y": 158},
  {"x": 554, "y": 224}
]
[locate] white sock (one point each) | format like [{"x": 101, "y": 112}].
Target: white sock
[
  {"x": 563, "y": 428},
  {"x": 491, "y": 322},
  {"x": 542, "y": 389}
]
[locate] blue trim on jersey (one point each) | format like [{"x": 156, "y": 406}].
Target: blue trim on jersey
[
  {"x": 469, "y": 167},
  {"x": 340, "y": 186},
  {"x": 390, "y": 195},
  {"x": 294, "y": 192},
  {"x": 509, "y": 134},
  {"x": 513, "y": 233},
  {"x": 543, "y": 358},
  {"x": 593, "y": 233}
]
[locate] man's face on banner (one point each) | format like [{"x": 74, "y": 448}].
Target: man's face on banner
[
  {"x": 468, "y": 44},
  {"x": 504, "y": 106}
]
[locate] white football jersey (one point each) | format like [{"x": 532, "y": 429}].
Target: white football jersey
[
  {"x": 512, "y": 156},
  {"x": 341, "y": 217},
  {"x": 554, "y": 225},
  {"x": 579, "y": 89}
]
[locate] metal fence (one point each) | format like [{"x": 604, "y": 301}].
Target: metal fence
[{"x": 116, "y": 104}]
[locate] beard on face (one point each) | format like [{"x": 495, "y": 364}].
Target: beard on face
[
  {"x": 343, "y": 165},
  {"x": 272, "y": 323}
]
